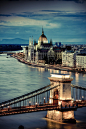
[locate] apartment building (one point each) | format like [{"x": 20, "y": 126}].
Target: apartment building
[
  {"x": 81, "y": 61},
  {"x": 69, "y": 58}
]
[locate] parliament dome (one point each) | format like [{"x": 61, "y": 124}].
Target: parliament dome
[{"x": 42, "y": 38}]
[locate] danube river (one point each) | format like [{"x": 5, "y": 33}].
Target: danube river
[{"x": 17, "y": 79}]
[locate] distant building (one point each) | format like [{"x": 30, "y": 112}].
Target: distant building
[
  {"x": 58, "y": 44},
  {"x": 31, "y": 50},
  {"x": 42, "y": 50},
  {"x": 55, "y": 54},
  {"x": 69, "y": 58},
  {"x": 26, "y": 52},
  {"x": 41, "y": 54},
  {"x": 82, "y": 51},
  {"x": 51, "y": 55},
  {"x": 58, "y": 53},
  {"x": 81, "y": 61},
  {"x": 42, "y": 42},
  {"x": 42, "y": 47}
]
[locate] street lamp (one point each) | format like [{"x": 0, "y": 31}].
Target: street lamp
[
  {"x": 36, "y": 104},
  {"x": 44, "y": 100}
]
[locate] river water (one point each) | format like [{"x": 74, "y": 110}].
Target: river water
[{"x": 17, "y": 79}]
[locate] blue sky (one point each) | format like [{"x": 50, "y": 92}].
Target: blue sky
[{"x": 63, "y": 21}]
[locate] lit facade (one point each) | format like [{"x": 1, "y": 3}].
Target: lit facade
[
  {"x": 81, "y": 61},
  {"x": 26, "y": 52},
  {"x": 51, "y": 54},
  {"x": 69, "y": 59},
  {"x": 54, "y": 53},
  {"x": 42, "y": 40},
  {"x": 31, "y": 50},
  {"x": 42, "y": 50},
  {"x": 40, "y": 54}
]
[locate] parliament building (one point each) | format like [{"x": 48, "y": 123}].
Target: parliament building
[{"x": 43, "y": 50}]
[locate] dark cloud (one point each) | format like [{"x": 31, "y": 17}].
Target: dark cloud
[
  {"x": 6, "y": 15},
  {"x": 57, "y": 13},
  {"x": 77, "y": 1},
  {"x": 71, "y": 16}
]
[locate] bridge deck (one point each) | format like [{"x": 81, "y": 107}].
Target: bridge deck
[
  {"x": 33, "y": 108},
  {"x": 43, "y": 107}
]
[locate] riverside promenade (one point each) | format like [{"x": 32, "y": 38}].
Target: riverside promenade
[{"x": 20, "y": 58}]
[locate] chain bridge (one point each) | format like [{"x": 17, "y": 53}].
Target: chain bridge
[
  {"x": 60, "y": 99},
  {"x": 38, "y": 100}
]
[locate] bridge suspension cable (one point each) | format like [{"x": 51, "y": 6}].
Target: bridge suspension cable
[
  {"x": 27, "y": 96},
  {"x": 79, "y": 87}
]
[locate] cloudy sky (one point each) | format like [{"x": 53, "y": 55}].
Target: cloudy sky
[{"x": 62, "y": 20}]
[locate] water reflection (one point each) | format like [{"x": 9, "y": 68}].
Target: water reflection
[
  {"x": 83, "y": 75},
  {"x": 77, "y": 77},
  {"x": 53, "y": 125},
  {"x": 50, "y": 70},
  {"x": 64, "y": 72},
  {"x": 54, "y": 71},
  {"x": 41, "y": 69}
]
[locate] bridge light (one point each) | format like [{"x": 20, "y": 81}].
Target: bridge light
[
  {"x": 72, "y": 101},
  {"x": 29, "y": 103},
  {"x": 59, "y": 102},
  {"x": 36, "y": 103},
  {"x": 79, "y": 100},
  {"x": 50, "y": 101},
  {"x": 2, "y": 105},
  {"x": 82, "y": 97},
  {"x": 44, "y": 99}
]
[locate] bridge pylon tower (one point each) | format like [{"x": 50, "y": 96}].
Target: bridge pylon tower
[{"x": 61, "y": 96}]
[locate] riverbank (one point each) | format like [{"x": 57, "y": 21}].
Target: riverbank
[{"x": 47, "y": 66}]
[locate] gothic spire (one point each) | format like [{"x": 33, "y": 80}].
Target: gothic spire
[{"x": 42, "y": 31}]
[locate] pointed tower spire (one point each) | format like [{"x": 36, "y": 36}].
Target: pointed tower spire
[{"x": 42, "y": 31}]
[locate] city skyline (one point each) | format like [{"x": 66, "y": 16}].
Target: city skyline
[{"x": 62, "y": 21}]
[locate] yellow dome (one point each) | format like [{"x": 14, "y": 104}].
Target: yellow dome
[{"x": 43, "y": 38}]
